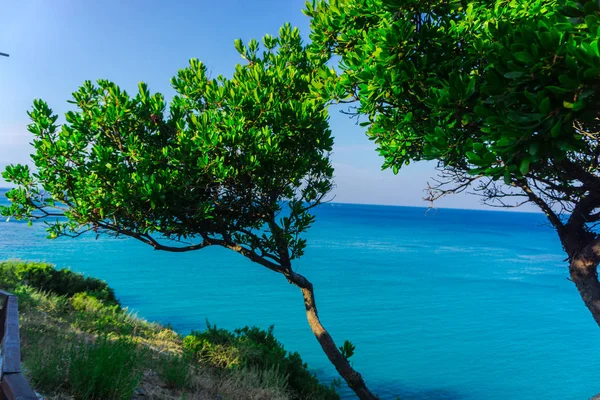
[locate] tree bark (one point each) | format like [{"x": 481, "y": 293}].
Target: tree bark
[
  {"x": 343, "y": 367},
  {"x": 584, "y": 273}
]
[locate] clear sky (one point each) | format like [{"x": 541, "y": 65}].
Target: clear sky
[{"x": 55, "y": 45}]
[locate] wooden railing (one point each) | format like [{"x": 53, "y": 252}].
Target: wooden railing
[{"x": 13, "y": 385}]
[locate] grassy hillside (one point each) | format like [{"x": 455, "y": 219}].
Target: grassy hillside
[{"x": 79, "y": 343}]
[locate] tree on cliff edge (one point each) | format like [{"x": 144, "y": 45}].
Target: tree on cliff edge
[
  {"x": 237, "y": 163},
  {"x": 503, "y": 94}
]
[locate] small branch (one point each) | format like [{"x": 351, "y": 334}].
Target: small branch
[{"x": 554, "y": 219}]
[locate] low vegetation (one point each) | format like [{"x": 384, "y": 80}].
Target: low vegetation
[{"x": 79, "y": 343}]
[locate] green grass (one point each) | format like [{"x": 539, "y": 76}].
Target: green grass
[
  {"x": 105, "y": 369},
  {"x": 176, "y": 371}
]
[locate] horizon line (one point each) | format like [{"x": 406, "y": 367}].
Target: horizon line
[{"x": 427, "y": 208}]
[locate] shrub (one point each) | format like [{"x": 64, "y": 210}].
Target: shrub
[
  {"x": 45, "y": 277},
  {"x": 8, "y": 276},
  {"x": 256, "y": 349},
  {"x": 94, "y": 317},
  {"x": 87, "y": 303}
]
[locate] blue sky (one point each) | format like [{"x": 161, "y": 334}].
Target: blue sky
[{"x": 55, "y": 45}]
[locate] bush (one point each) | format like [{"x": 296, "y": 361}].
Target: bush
[
  {"x": 256, "y": 349},
  {"x": 8, "y": 277},
  {"x": 94, "y": 317},
  {"x": 85, "y": 302},
  {"x": 45, "y": 277}
]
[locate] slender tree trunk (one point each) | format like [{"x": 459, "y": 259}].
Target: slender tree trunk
[
  {"x": 584, "y": 273},
  {"x": 352, "y": 377}
]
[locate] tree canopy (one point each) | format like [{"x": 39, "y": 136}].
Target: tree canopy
[
  {"x": 237, "y": 163},
  {"x": 503, "y": 94},
  {"x": 216, "y": 166}
]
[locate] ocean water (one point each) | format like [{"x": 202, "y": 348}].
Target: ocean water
[{"x": 446, "y": 304}]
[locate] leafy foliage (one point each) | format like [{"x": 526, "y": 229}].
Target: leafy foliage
[
  {"x": 216, "y": 167},
  {"x": 347, "y": 349},
  {"x": 478, "y": 78},
  {"x": 492, "y": 87},
  {"x": 256, "y": 349}
]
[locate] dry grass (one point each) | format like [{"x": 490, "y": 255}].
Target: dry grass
[{"x": 208, "y": 385}]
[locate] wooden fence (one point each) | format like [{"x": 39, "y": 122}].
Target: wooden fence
[{"x": 13, "y": 385}]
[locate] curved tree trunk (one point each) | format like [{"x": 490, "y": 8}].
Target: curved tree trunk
[
  {"x": 584, "y": 273},
  {"x": 352, "y": 377}
]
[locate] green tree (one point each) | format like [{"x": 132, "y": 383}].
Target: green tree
[
  {"x": 503, "y": 94},
  {"x": 237, "y": 163}
]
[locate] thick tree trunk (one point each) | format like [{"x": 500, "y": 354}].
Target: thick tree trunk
[
  {"x": 584, "y": 273},
  {"x": 352, "y": 377}
]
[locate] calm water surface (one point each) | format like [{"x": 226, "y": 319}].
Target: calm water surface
[{"x": 441, "y": 305}]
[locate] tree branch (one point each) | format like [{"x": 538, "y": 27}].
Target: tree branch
[{"x": 552, "y": 217}]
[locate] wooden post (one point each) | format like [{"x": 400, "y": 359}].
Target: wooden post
[
  {"x": 13, "y": 385},
  {"x": 11, "y": 342},
  {"x": 16, "y": 387}
]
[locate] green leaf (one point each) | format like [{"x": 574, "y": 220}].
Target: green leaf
[
  {"x": 513, "y": 74},
  {"x": 558, "y": 89},
  {"x": 545, "y": 105},
  {"x": 590, "y": 7},
  {"x": 239, "y": 46},
  {"x": 507, "y": 177},
  {"x": 524, "y": 167},
  {"x": 347, "y": 349},
  {"x": 524, "y": 57},
  {"x": 472, "y": 157},
  {"x": 563, "y": 26},
  {"x": 534, "y": 148},
  {"x": 592, "y": 73},
  {"x": 481, "y": 111},
  {"x": 578, "y": 105},
  {"x": 470, "y": 88},
  {"x": 546, "y": 40},
  {"x": 568, "y": 82},
  {"x": 555, "y": 131}
]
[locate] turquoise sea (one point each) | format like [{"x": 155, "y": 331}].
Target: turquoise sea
[{"x": 445, "y": 304}]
